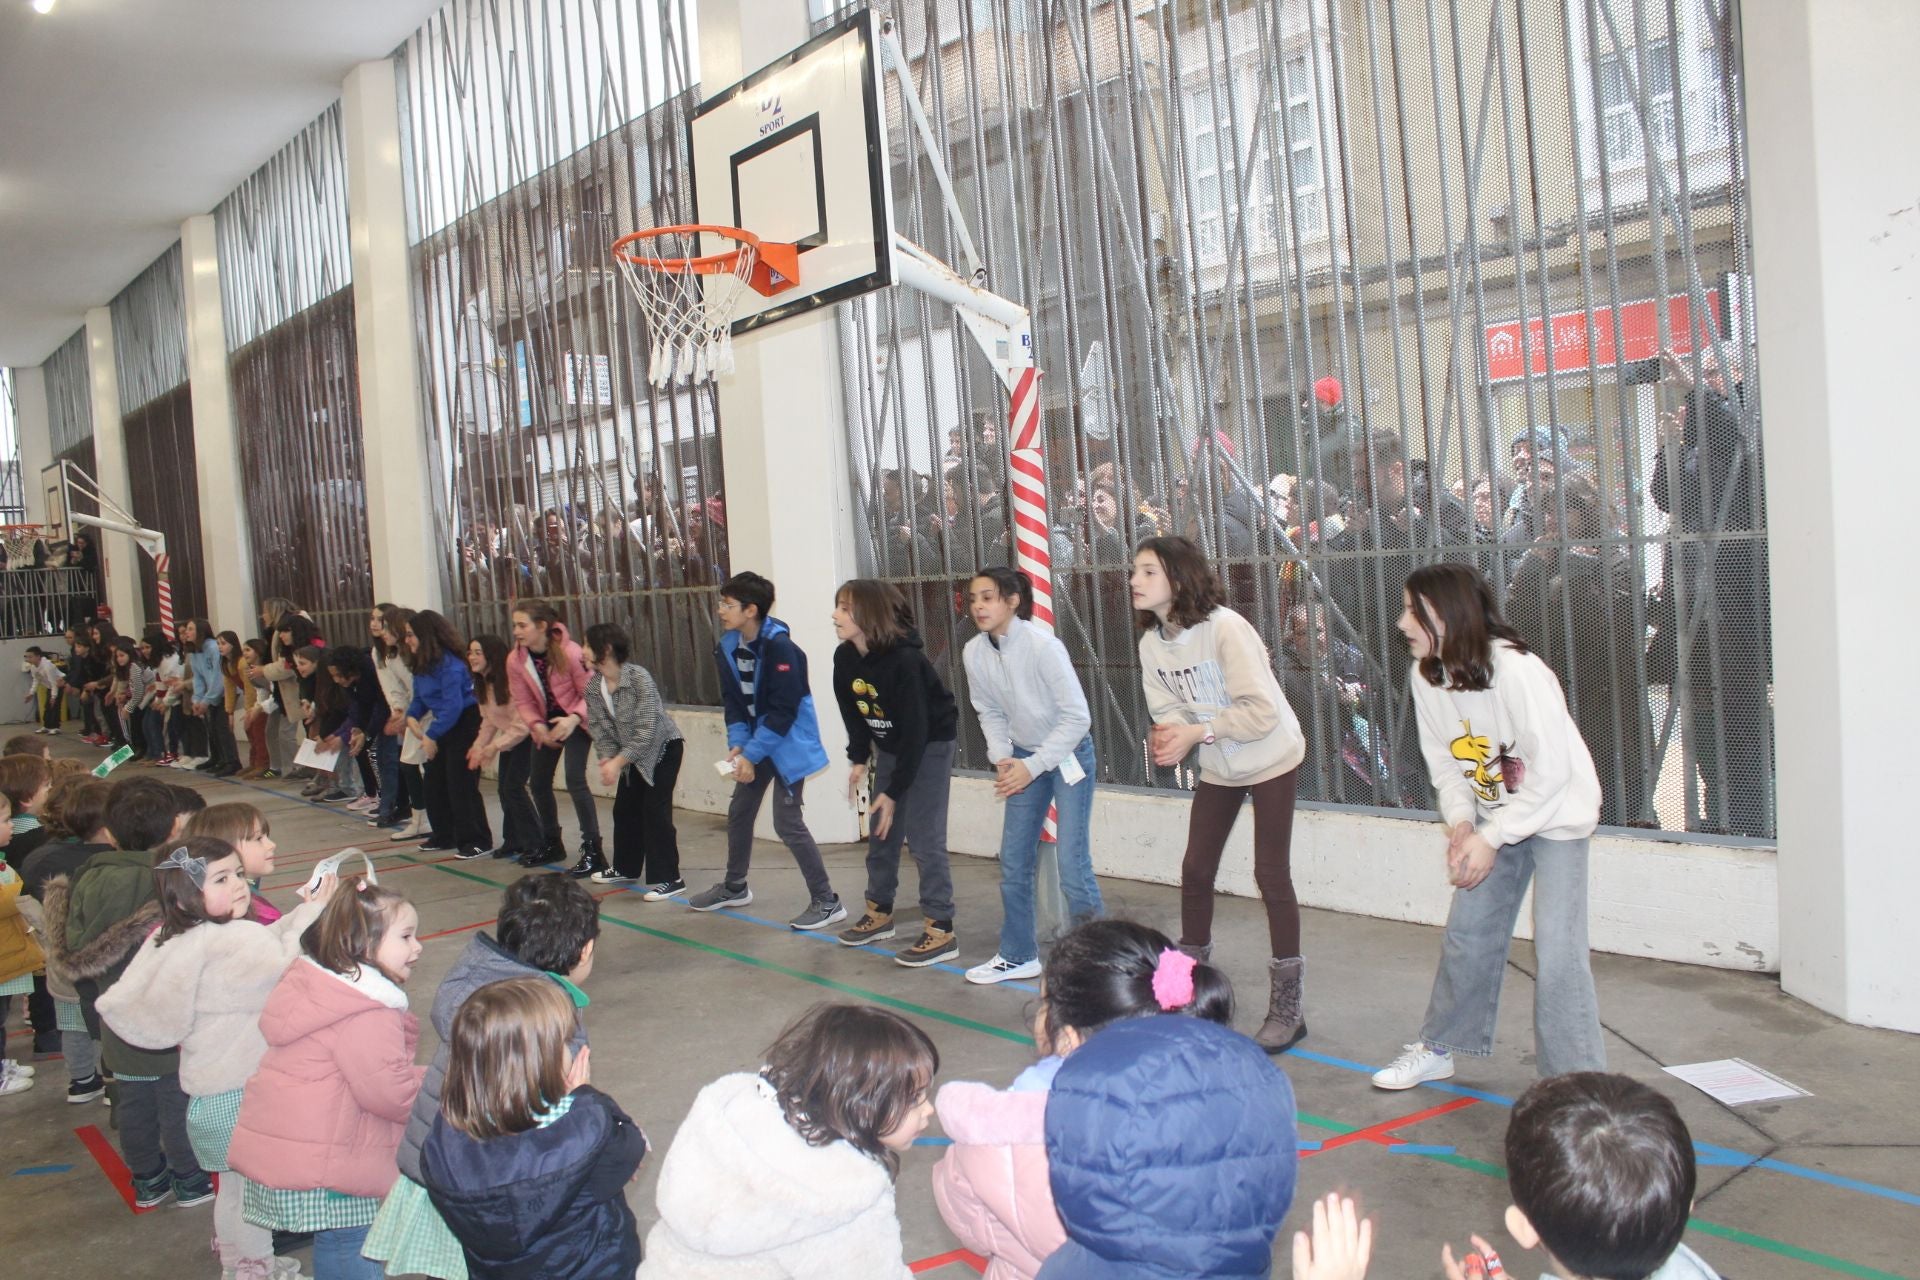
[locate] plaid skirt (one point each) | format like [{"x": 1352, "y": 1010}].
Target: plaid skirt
[
  {"x": 210, "y": 1122},
  {"x": 68, "y": 1016},
  {"x": 412, "y": 1239},
  {"x": 317, "y": 1210},
  {"x": 20, "y": 986}
]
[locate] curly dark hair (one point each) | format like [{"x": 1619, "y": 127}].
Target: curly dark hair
[{"x": 851, "y": 1071}]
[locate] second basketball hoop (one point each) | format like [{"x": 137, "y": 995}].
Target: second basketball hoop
[{"x": 689, "y": 299}]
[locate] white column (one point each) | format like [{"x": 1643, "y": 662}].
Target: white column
[
  {"x": 783, "y": 442},
  {"x": 35, "y": 432},
  {"x": 1831, "y": 97},
  {"x": 406, "y": 559},
  {"x": 119, "y": 556},
  {"x": 225, "y": 550}
]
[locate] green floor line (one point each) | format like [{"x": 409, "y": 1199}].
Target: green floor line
[{"x": 1482, "y": 1167}]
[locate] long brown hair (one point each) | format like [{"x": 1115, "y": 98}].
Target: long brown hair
[
  {"x": 1196, "y": 591},
  {"x": 492, "y": 688},
  {"x": 545, "y": 616},
  {"x": 351, "y": 928},
  {"x": 1464, "y": 599},
  {"x": 507, "y": 1057},
  {"x": 878, "y": 609},
  {"x": 436, "y": 637},
  {"x": 393, "y": 625},
  {"x": 848, "y": 1071}
]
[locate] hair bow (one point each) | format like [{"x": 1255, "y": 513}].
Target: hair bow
[
  {"x": 1173, "y": 980},
  {"x": 181, "y": 860}
]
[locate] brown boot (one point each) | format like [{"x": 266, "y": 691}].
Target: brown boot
[{"x": 1286, "y": 1025}]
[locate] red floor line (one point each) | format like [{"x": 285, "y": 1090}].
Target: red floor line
[
  {"x": 109, "y": 1161},
  {"x": 973, "y": 1260},
  {"x": 1382, "y": 1132},
  {"x": 481, "y": 924}
]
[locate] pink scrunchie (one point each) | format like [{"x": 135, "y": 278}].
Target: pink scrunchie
[{"x": 1173, "y": 980}]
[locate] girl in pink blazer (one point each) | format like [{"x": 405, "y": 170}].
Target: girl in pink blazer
[
  {"x": 992, "y": 1185},
  {"x": 502, "y": 737},
  {"x": 321, "y": 1119},
  {"x": 548, "y": 675}
]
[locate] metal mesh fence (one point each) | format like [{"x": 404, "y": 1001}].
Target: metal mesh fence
[
  {"x": 285, "y": 277},
  {"x": 535, "y": 129},
  {"x": 1339, "y": 288}
]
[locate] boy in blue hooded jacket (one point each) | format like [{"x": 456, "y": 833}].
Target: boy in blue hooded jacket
[{"x": 773, "y": 740}]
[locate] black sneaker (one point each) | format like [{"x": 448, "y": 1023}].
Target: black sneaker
[
  {"x": 507, "y": 853},
  {"x": 335, "y": 797},
  {"x": 148, "y": 1192},
  {"x": 468, "y": 852},
  {"x": 664, "y": 890},
  {"x": 542, "y": 858},
  {"x": 86, "y": 1090},
  {"x": 434, "y": 844},
  {"x": 188, "y": 1192}
]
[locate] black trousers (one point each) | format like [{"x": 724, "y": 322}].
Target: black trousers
[
  {"x": 454, "y": 808},
  {"x": 645, "y": 845}
]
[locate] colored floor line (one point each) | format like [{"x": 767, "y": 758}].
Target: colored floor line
[
  {"x": 1464, "y": 1162},
  {"x": 37, "y": 1169},
  {"x": 412, "y": 865},
  {"x": 973, "y": 1260},
  {"x": 826, "y": 935},
  {"x": 109, "y": 1161},
  {"x": 1382, "y": 1132}
]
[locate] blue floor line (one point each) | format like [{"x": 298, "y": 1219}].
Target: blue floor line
[{"x": 1418, "y": 1149}]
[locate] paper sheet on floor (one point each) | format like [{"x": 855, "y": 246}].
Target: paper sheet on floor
[{"x": 1736, "y": 1082}]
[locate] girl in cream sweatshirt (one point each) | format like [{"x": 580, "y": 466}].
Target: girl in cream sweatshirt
[{"x": 1211, "y": 690}]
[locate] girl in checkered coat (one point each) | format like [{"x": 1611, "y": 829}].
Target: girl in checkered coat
[{"x": 200, "y": 981}]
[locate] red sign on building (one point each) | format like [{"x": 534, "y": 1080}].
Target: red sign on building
[{"x": 1639, "y": 332}]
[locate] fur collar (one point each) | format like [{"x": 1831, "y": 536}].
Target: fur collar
[
  {"x": 99, "y": 956},
  {"x": 369, "y": 982}
]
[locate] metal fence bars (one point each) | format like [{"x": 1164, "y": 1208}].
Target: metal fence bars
[
  {"x": 538, "y": 132},
  {"x": 1339, "y": 288}
]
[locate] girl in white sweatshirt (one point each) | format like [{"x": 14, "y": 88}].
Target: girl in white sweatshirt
[
  {"x": 1519, "y": 798},
  {"x": 1035, "y": 718},
  {"x": 1211, "y": 690},
  {"x": 200, "y": 981}
]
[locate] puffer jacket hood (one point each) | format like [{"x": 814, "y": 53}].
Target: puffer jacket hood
[
  {"x": 1172, "y": 1150},
  {"x": 484, "y": 961},
  {"x": 742, "y": 1196},
  {"x": 991, "y": 1186},
  {"x": 547, "y": 1202}
]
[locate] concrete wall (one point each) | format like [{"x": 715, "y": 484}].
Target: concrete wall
[{"x": 1658, "y": 898}]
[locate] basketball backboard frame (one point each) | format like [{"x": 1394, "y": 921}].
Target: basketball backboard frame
[{"x": 810, "y": 121}]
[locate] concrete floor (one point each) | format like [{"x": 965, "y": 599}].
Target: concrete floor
[{"x": 1823, "y": 1185}]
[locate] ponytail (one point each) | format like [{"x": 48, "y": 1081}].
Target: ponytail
[{"x": 1011, "y": 582}]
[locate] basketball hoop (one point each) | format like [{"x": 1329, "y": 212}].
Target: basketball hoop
[
  {"x": 19, "y": 541},
  {"x": 690, "y": 321}
]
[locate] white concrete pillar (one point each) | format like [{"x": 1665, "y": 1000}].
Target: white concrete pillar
[
  {"x": 225, "y": 545},
  {"x": 119, "y": 556},
  {"x": 406, "y": 560},
  {"x": 783, "y": 441},
  {"x": 34, "y": 429},
  {"x": 1831, "y": 97}
]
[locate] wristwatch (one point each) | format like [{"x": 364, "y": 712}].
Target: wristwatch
[{"x": 1208, "y": 740}]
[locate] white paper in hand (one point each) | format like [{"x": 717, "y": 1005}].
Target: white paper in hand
[
  {"x": 724, "y": 768},
  {"x": 312, "y": 757},
  {"x": 331, "y": 866}
]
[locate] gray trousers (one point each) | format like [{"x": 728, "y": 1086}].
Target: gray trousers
[
  {"x": 153, "y": 1127},
  {"x": 281, "y": 746},
  {"x": 920, "y": 821},
  {"x": 1473, "y": 959},
  {"x": 788, "y": 824}
]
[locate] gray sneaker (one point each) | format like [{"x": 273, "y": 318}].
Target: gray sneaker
[
  {"x": 720, "y": 896},
  {"x": 820, "y": 913}
]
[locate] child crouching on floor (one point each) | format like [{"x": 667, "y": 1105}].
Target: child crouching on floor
[
  {"x": 547, "y": 929},
  {"x": 528, "y": 1162},
  {"x": 790, "y": 1171},
  {"x": 1602, "y": 1175}
]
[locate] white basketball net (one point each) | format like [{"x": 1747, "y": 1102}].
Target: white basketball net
[
  {"x": 689, "y": 315},
  {"x": 19, "y": 542}
]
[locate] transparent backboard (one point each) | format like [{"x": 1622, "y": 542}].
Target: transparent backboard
[{"x": 797, "y": 152}]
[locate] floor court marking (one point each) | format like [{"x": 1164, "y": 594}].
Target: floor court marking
[
  {"x": 1763, "y": 1243},
  {"x": 1382, "y": 1132},
  {"x": 118, "y": 1175},
  {"x": 961, "y": 1256},
  {"x": 37, "y": 1169}
]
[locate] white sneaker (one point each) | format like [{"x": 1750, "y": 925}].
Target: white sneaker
[
  {"x": 13, "y": 1080},
  {"x": 1001, "y": 969},
  {"x": 26, "y": 1069},
  {"x": 1416, "y": 1064}
]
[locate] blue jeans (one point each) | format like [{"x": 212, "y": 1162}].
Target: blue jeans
[
  {"x": 156, "y": 725},
  {"x": 1473, "y": 959},
  {"x": 336, "y": 1255},
  {"x": 1020, "y": 849}
]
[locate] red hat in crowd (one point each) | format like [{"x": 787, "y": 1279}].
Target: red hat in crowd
[{"x": 1328, "y": 391}]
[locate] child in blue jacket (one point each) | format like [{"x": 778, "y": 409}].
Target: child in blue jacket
[{"x": 772, "y": 738}]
